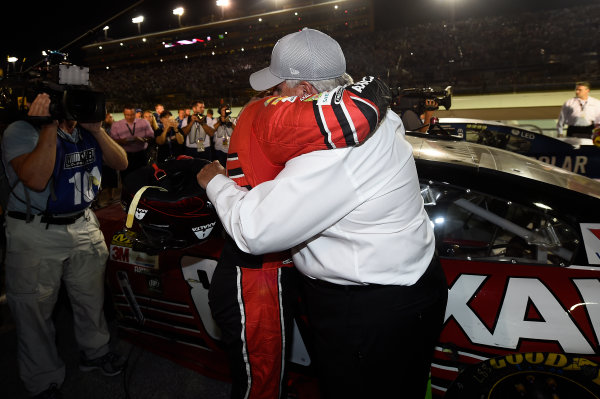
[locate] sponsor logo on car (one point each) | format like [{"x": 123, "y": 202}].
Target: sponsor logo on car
[{"x": 591, "y": 238}]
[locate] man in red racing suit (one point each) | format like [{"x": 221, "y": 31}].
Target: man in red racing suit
[{"x": 252, "y": 297}]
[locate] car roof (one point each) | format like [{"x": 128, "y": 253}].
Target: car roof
[
  {"x": 481, "y": 122},
  {"x": 478, "y": 156}
]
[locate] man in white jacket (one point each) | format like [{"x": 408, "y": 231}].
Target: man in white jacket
[{"x": 355, "y": 220}]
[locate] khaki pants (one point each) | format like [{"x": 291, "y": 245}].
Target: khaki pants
[{"x": 38, "y": 257}]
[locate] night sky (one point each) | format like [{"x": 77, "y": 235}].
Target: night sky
[{"x": 37, "y": 26}]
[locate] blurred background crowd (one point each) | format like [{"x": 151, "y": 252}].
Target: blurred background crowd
[{"x": 541, "y": 50}]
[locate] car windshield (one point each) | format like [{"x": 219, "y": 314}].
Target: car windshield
[{"x": 472, "y": 225}]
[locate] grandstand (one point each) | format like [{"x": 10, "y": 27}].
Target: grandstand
[{"x": 530, "y": 51}]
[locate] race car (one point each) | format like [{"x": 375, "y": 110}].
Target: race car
[
  {"x": 579, "y": 155},
  {"x": 519, "y": 241}
]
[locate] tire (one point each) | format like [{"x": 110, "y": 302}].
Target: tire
[{"x": 528, "y": 375}]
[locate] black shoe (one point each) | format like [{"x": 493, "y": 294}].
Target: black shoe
[
  {"x": 51, "y": 393},
  {"x": 110, "y": 364}
]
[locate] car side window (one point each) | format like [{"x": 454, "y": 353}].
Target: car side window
[
  {"x": 515, "y": 140},
  {"x": 477, "y": 226}
]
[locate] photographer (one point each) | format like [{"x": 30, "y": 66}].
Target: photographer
[
  {"x": 197, "y": 133},
  {"x": 170, "y": 140},
  {"x": 52, "y": 236},
  {"x": 223, "y": 131}
]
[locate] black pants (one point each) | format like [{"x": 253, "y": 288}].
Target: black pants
[
  {"x": 376, "y": 341},
  {"x": 584, "y": 132}
]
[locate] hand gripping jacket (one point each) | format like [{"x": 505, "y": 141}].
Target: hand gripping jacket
[
  {"x": 270, "y": 132},
  {"x": 274, "y": 130}
]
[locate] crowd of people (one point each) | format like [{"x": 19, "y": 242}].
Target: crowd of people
[
  {"x": 532, "y": 50},
  {"x": 274, "y": 199},
  {"x": 156, "y": 135}
]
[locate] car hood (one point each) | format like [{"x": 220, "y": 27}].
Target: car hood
[{"x": 480, "y": 156}]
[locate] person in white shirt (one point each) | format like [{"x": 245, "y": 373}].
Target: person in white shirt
[
  {"x": 197, "y": 133},
  {"x": 579, "y": 113},
  {"x": 223, "y": 126},
  {"x": 354, "y": 217}
]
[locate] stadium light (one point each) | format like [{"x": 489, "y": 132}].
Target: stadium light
[
  {"x": 105, "y": 29},
  {"x": 12, "y": 60},
  {"x": 138, "y": 21},
  {"x": 179, "y": 12},
  {"x": 223, "y": 4}
]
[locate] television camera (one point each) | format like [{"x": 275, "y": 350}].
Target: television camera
[
  {"x": 225, "y": 112},
  {"x": 71, "y": 97},
  {"x": 414, "y": 99}
]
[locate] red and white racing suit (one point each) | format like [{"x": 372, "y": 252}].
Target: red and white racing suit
[{"x": 252, "y": 297}]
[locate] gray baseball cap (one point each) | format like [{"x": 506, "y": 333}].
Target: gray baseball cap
[{"x": 304, "y": 55}]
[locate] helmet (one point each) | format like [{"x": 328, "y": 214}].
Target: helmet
[{"x": 168, "y": 205}]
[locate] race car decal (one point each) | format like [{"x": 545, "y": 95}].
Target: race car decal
[
  {"x": 529, "y": 310},
  {"x": 591, "y": 238},
  {"x": 576, "y": 165},
  {"x": 122, "y": 239},
  {"x": 198, "y": 273},
  {"x": 127, "y": 255}
]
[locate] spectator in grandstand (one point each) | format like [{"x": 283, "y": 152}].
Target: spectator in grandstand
[
  {"x": 197, "y": 133},
  {"x": 133, "y": 135},
  {"x": 579, "y": 113},
  {"x": 223, "y": 130},
  {"x": 375, "y": 293},
  {"x": 169, "y": 140},
  {"x": 138, "y": 113}
]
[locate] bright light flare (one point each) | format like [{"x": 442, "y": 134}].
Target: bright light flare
[
  {"x": 223, "y": 3},
  {"x": 138, "y": 20},
  {"x": 178, "y": 11}
]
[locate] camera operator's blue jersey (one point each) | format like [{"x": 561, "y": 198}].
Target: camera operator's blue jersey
[{"x": 77, "y": 172}]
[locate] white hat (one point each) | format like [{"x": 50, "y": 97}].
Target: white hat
[{"x": 304, "y": 55}]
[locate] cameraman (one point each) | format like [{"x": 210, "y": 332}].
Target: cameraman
[
  {"x": 417, "y": 118},
  {"x": 223, "y": 131},
  {"x": 197, "y": 133},
  {"x": 52, "y": 236}
]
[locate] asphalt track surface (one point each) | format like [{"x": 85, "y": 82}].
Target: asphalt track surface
[{"x": 147, "y": 376}]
